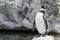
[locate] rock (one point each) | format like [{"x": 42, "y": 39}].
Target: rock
[
  {"x": 27, "y": 24},
  {"x": 35, "y": 5},
  {"x": 51, "y": 16},
  {"x": 44, "y": 38},
  {"x": 11, "y": 8}
]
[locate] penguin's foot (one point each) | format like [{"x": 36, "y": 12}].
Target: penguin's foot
[
  {"x": 38, "y": 35},
  {"x": 44, "y": 34}
]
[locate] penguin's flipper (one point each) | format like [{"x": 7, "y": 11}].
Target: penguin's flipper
[
  {"x": 38, "y": 35},
  {"x": 33, "y": 28}
]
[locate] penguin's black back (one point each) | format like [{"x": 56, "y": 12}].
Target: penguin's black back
[{"x": 45, "y": 23}]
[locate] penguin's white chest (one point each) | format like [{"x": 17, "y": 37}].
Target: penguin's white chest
[{"x": 39, "y": 21}]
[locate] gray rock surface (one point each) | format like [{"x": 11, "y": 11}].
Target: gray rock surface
[
  {"x": 52, "y": 17},
  {"x": 14, "y": 13},
  {"x": 47, "y": 37}
]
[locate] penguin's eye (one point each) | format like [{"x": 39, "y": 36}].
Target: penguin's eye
[{"x": 42, "y": 11}]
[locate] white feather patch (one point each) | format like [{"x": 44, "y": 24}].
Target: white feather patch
[{"x": 40, "y": 25}]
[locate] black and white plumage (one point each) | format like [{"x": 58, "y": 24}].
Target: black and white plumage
[{"x": 40, "y": 22}]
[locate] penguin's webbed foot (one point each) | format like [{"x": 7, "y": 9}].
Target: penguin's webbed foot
[
  {"x": 44, "y": 34},
  {"x": 38, "y": 35}
]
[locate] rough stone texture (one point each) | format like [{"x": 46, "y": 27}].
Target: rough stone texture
[
  {"x": 58, "y": 3},
  {"x": 9, "y": 13},
  {"x": 13, "y": 14},
  {"x": 52, "y": 15},
  {"x": 26, "y": 23},
  {"x": 21, "y": 36},
  {"x": 47, "y": 37}
]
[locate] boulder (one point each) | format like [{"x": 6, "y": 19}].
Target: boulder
[
  {"x": 47, "y": 37},
  {"x": 27, "y": 24}
]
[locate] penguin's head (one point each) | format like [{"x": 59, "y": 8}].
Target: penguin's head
[{"x": 42, "y": 10}]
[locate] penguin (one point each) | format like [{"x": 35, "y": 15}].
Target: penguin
[{"x": 41, "y": 23}]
